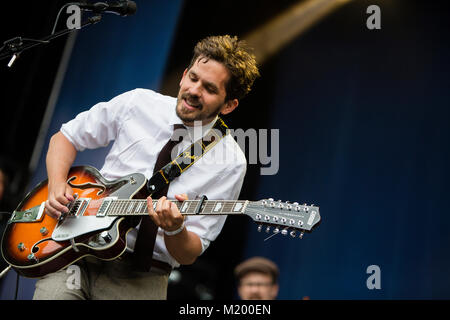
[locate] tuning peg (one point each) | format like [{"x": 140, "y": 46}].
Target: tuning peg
[
  {"x": 284, "y": 232},
  {"x": 259, "y": 227},
  {"x": 301, "y": 234},
  {"x": 292, "y": 234},
  {"x": 268, "y": 229},
  {"x": 270, "y": 199},
  {"x": 276, "y": 230}
]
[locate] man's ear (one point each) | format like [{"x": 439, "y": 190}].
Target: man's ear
[
  {"x": 229, "y": 106},
  {"x": 184, "y": 74}
]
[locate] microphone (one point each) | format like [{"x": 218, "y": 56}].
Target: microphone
[{"x": 122, "y": 8}]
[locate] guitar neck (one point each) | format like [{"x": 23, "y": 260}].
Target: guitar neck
[{"x": 134, "y": 207}]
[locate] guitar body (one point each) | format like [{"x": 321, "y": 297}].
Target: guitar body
[{"x": 35, "y": 244}]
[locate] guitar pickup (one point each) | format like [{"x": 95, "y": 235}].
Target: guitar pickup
[{"x": 105, "y": 206}]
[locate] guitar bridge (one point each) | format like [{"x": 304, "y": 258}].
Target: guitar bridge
[{"x": 76, "y": 208}]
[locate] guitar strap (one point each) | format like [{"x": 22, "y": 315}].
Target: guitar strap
[
  {"x": 158, "y": 185},
  {"x": 187, "y": 157}
]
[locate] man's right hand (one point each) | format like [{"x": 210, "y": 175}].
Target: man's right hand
[{"x": 59, "y": 195}]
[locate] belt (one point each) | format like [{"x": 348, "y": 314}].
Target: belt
[{"x": 155, "y": 264}]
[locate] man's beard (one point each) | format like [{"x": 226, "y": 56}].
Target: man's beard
[{"x": 189, "y": 116}]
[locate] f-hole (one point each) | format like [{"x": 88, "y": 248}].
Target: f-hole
[{"x": 86, "y": 185}]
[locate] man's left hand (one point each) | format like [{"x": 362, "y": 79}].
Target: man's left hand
[{"x": 166, "y": 215}]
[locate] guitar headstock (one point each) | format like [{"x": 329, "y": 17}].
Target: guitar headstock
[{"x": 285, "y": 217}]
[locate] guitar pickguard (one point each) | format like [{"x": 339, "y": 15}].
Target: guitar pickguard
[{"x": 74, "y": 226}]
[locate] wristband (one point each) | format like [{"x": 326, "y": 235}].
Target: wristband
[{"x": 172, "y": 233}]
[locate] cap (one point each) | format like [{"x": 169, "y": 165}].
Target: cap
[{"x": 257, "y": 264}]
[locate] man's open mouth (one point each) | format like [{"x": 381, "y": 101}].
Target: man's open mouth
[{"x": 191, "y": 104}]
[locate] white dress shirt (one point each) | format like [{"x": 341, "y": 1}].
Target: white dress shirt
[{"x": 140, "y": 122}]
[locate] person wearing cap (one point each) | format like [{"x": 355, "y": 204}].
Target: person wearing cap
[{"x": 257, "y": 279}]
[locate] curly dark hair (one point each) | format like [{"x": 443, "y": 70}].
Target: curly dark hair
[{"x": 236, "y": 56}]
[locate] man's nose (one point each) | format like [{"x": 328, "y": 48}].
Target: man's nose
[{"x": 195, "y": 90}]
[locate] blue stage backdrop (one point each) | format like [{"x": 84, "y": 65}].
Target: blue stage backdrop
[
  {"x": 364, "y": 133},
  {"x": 116, "y": 55}
]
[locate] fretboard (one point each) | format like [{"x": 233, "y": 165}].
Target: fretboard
[{"x": 133, "y": 207}]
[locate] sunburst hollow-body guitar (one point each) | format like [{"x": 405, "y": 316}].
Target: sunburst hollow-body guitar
[{"x": 104, "y": 211}]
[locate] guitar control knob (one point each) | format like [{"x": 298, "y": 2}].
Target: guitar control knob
[
  {"x": 21, "y": 246},
  {"x": 32, "y": 257},
  {"x": 43, "y": 231},
  {"x": 106, "y": 236}
]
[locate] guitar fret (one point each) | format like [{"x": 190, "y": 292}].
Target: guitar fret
[
  {"x": 113, "y": 208},
  {"x": 133, "y": 207},
  {"x": 141, "y": 204},
  {"x": 183, "y": 207},
  {"x": 129, "y": 206},
  {"x": 192, "y": 207},
  {"x": 123, "y": 207}
]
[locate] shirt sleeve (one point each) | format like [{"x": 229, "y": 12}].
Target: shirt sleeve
[
  {"x": 98, "y": 126},
  {"x": 227, "y": 187}
]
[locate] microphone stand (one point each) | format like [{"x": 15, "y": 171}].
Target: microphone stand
[{"x": 17, "y": 45}]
